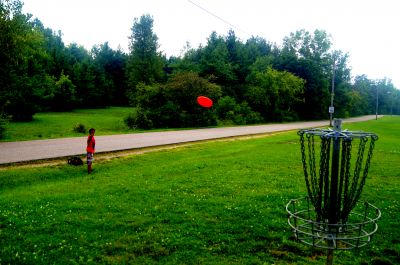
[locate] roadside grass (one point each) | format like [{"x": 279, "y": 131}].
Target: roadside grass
[
  {"x": 47, "y": 125},
  {"x": 50, "y": 125},
  {"x": 209, "y": 203}
]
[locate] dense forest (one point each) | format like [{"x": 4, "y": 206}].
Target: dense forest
[{"x": 252, "y": 81}]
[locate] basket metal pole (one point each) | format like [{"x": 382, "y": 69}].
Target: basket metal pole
[{"x": 333, "y": 196}]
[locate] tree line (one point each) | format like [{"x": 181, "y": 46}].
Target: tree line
[{"x": 252, "y": 81}]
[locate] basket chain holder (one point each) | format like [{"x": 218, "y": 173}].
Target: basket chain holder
[{"x": 331, "y": 216}]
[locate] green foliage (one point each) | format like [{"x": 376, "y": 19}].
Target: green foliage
[
  {"x": 130, "y": 120},
  {"x": 144, "y": 63},
  {"x": 34, "y": 57},
  {"x": 308, "y": 56},
  {"x": 146, "y": 96},
  {"x": 3, "y": 126},
  {"x": 45, "y": 92},
  {"x": 64, "y": 94},
  {"x": 274, "y": 94},
  {"x": 241, "y": 114},
  {"x": 225, "y": 108},
  {"x": 311, "y": 46},
  {"x": 19, "y": 51},
  {"x": 216, "y": 61},
  {"x": 112, "y": 65},
  {"x": 139, "y": 119},
  {"x": 210, "y": 203},
  {"x": 89, "y": 78},
  {"x": 20, "y": 103},
  {"x": 79, "y": 128},
  {"x": 183, "y": 89},
  {"x": 174, "y": 104}
]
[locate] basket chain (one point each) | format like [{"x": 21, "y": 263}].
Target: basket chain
[
  {"x": 345, "y": 177},
  {"x": 318, "y": 187},
  {"x": 356, "y": 191}
]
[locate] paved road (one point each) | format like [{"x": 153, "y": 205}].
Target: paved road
[{"x": 11, "y": 152}]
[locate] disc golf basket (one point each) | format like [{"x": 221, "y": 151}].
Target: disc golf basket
[{"x": 335, "y": 164}]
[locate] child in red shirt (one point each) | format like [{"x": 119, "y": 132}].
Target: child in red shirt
[{"x": 91, "y": 142}]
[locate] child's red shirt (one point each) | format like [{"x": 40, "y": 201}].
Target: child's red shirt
[{"x": 91, "y": 142}]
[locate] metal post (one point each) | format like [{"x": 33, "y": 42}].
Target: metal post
[
  {"x": 333, "y": 211},
  {"x": 332, "y": 95},
  {"x": 376, "y": 108},
  {"x": 335, "y": 172}
]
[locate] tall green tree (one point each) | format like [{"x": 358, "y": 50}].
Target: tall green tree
[
  {"x": 81, "y": 72},
  {"x": 189, "y": 62},
  {"x": 215, "y": 61},
  {"x": 308, "y": 56},
  {"x": 111, "y": 65},
  {"x": 237, "y": 60},
  {"x": 145, "y": 64},
  {"x": 54, "y": 48},
  {"x": 256, "y": 47},
  {"x": 275, "y": 94},
  {"x": 64, "y": 94},
  {"x": 21, "y": 54}
]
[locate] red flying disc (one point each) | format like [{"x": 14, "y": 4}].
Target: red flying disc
[{"x": 204, "y": 101}]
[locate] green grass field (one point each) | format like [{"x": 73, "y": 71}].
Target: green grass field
[
  {"x": 47, "y": 125},
  {"x": 209, "y": 203}
]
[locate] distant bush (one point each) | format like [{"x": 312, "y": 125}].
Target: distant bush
[
  {"x": 139, "y": 119},
  {"x": 79, "y": 128},
  {"x": 240, "y": 114},
  {"x": 130, "y": 121},
  {"x": 225, "y": 108}
]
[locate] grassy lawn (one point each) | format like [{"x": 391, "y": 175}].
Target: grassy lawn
[
  {"x": 209, "y": 203},
  {"x": 47, "y": 125}
]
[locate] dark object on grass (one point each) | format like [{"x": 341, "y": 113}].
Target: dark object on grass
[{"x": 75, "y": 161}]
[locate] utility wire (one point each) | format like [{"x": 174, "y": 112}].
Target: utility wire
[{"x": 218, "y": 17}]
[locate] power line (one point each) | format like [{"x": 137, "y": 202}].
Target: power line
[{"x": 218, "y": 17}]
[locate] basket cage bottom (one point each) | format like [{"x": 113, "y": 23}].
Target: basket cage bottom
[{"x": 356, "y": 232}]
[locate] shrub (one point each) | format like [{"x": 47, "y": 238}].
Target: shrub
[
  {"x": 166, "y": 116},
  {"x": 241, "y": 114},
  {"x": 139, "y": 119},
  {"x": 64, "y": 94},
  {"x": 225, "y": 108},
  {"x": 79, "y": 128},
  {"x": 130, "y": 121}
]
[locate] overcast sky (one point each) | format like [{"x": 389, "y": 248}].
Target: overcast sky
[{"x": 366, "y": 29}]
